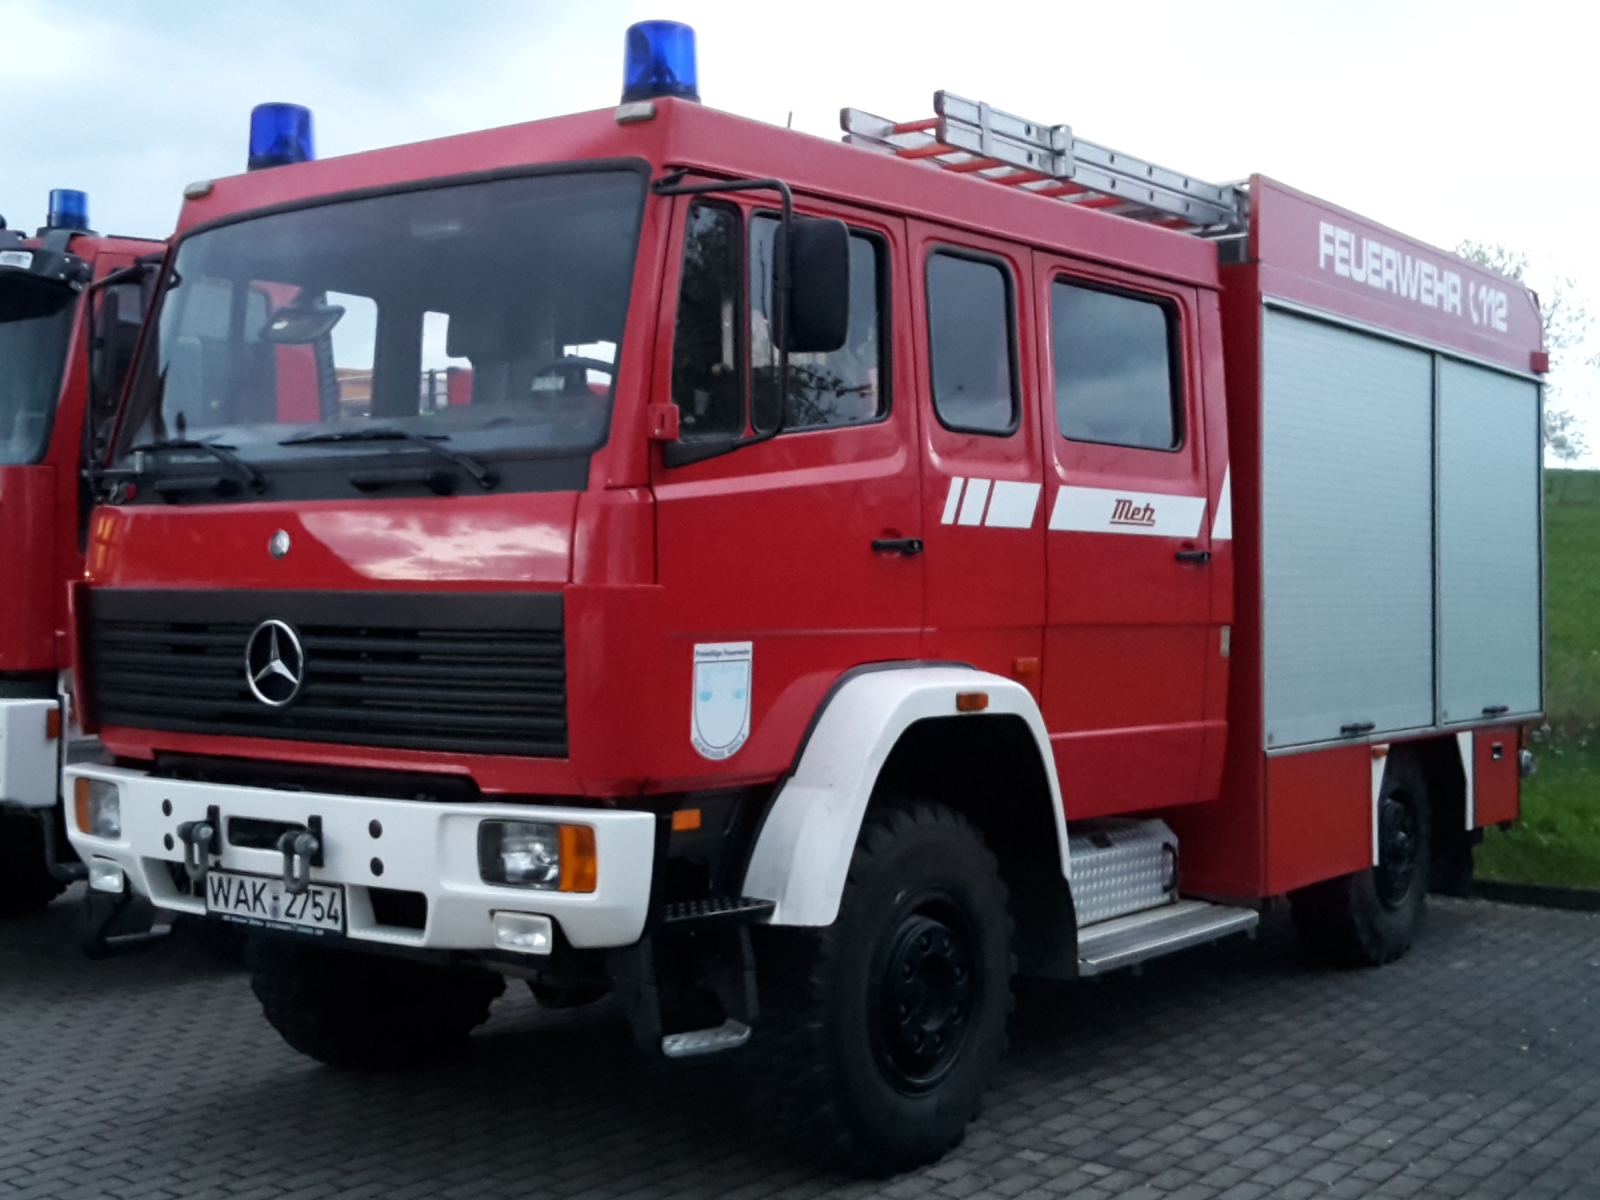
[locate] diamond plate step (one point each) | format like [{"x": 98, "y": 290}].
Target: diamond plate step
[{"x": 1124, "y": 941}]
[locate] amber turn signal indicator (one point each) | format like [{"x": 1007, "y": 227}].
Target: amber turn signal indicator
[
  {"x": 580, "y": 867},
  {"x": 972, "y": 701},
  {"x": 685, "y": 819},
  {"x": 80, "y": 801},
  {"x": 52, "y": 724}
]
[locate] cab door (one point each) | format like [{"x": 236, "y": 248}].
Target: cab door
[
  {"x": 772, "y": 553},
  {"x": 981, "y": 503},
  {"x": 1129, "y": 634}
]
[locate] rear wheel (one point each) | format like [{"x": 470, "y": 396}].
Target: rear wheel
[
  {"x": 26, "y": 885},
  {"x": 367, "y": 1012},
  {"x": 880, "y": 1032},
  {"x": 1371, "y": 917}
]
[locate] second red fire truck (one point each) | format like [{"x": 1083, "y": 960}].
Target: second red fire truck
[
  {"x": 71, "y": 304},
  {"x": 798, "y": 587}
]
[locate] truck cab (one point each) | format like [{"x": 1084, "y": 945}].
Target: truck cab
[{"x": 67, "y": 334}]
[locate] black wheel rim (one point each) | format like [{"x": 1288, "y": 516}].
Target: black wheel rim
[
  {"x": 1396, "y": 871},
  {"x": 927, "y": 988}
]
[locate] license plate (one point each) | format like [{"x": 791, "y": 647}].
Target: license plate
[{"x": 263, "y": 900}]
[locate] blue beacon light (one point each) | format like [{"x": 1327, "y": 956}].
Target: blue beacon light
[
  {"x": 280, "y": 134},
  {"x": 660, "y": 62},
  {"x": 69, "y": 209}
]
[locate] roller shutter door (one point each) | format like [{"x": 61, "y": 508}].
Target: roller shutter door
[
  {"x": 1489, "y": 633},
  {"x": 1347, "y": 537}
]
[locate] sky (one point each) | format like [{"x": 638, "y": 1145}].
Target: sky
[{"x": 1445, "y": 120}]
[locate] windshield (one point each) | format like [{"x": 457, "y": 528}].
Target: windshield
[
  {"x": 481, "y": 317},
  {"x": 35, "y": 324}
]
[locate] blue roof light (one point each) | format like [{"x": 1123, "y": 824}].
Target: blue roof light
[
  {"x": 660, "y": 62},
  {"x": 69, "y": 209},
  {"x": 280, "y": 134}
]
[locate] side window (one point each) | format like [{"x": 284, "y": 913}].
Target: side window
[
  {"x": 118, "y": 314},
  {"x": 706, "y": 378},
  {"x": 845, "y": 387},
  {"x": 1113, "y": 360},
  {"x": 970, "y": 334}
]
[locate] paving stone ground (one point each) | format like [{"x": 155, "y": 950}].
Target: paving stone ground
[{"x": 1470, "y": 1069}]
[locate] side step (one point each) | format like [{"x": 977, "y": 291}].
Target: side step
[{"x": 1124, "y": 941}]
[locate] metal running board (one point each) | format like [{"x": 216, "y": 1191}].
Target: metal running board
[
  {"x": 1124, "y": 941},
  {"x": 730, "y": 1035}
]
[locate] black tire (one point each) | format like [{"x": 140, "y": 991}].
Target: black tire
[
  {"x": 1371, "y": 917},
  {"x": 367, "y": 1012},
  {"x": 880, "y": 1033},
  {"x": 26, "y": 885}
]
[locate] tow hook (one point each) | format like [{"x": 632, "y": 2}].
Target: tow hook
[
  {"x": 202, "y": 841},
  {"x": 301, "y": 850}
]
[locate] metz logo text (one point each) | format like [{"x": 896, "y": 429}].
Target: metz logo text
[{"x": 1126, "y": 512}]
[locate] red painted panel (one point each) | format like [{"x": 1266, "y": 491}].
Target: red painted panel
[
  {"x": 1319, "y": 816},
  {"x": 1132, "y": 770},
  {"x": 27, "y": 547},
  {"x": 1497, "y": 783},
  {"x": 1319, "y": 254}
]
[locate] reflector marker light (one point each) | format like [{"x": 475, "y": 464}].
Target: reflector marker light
[
  {"x": 280, "y": 134},
  {"x": 972, "y": 701},
  {"x": 660, "y": 62},
  {"x": 69, "y": 209}
]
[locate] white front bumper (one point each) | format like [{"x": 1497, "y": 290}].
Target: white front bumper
[
  {"x": 29, "y": 756},
  {"x": 424, "y": 847}
]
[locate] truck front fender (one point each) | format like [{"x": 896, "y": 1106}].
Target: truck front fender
[{"x": 802, "y": 854}]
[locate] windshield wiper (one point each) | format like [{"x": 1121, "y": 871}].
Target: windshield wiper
[
  {"x": 222, "y": 453},
  {"x": 484, "y": 477}
]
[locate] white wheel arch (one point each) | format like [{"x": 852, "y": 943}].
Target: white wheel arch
[{"x": 802, "y": 853}]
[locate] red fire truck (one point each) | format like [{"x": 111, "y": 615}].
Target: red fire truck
[
  {"x": 71, "y": 304},
  {"x": 798, "y": 587}
]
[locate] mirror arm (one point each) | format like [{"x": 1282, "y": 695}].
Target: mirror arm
[{"x": 673, "y": 185}]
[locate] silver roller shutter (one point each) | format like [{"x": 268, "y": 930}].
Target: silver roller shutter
[
  {"x": 1347, "y": 538},
  {"x": 1489, "y": 605}
]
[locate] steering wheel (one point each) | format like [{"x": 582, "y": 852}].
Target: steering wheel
[{"x": 574, "y": 371}]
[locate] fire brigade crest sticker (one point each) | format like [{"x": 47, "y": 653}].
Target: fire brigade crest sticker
[{"x": 719, "y": 720}]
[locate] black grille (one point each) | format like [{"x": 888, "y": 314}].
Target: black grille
[{"x": 462, "y": 672}]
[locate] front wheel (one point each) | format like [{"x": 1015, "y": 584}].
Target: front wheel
[
  {"x": 881, "y": 1032},
  {"x": 26, "y": 885},
  {"x": 1372, "y": 917},
  {"x": 366, "y": 1012}
]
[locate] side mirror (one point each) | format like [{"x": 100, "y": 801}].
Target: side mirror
[{"x": 819, "y": 285}]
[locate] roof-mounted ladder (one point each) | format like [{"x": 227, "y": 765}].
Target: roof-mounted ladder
[{"x": 972, "y": 138}]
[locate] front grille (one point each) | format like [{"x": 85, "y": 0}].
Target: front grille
[{"x": 474, "y": 673}]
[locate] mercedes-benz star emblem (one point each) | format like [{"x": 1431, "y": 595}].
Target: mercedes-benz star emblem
[
  {"x": 274, "y": 663},
  {"x": 279, "y": 545}
]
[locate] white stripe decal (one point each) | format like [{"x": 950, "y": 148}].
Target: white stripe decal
[
  {"x": 1105, "y": 510},
  {"x": 1469, "y": 769},
  {"x": 972, "y": 504},
  {"x": 1222, "y": 527},
  {"x": 952, "y": 500},
  {"x": 1380, "y": 759},
  {"x": 1012, "y": 505}
]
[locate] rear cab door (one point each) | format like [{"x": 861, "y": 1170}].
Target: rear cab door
[
  {"x": 1129, "y": 635},
  {"x": 981, "y": 508}
]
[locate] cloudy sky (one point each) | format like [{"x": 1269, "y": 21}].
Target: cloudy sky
[{"x": 1447, "y": 120}]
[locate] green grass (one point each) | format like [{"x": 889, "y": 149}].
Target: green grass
[{"x": 1557, "y": 840}]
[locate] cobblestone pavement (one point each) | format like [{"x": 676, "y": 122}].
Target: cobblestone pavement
[{"x": 1472, "y": 1068}]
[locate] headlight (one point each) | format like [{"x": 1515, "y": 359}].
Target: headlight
[
  {"x": 537, "y": 854},
  {"x": 98, "y": 807}
]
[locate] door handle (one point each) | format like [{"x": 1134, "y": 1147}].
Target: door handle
[
  {"x": 1193, "y": 556},
  {"x": 1356, "y": 728},
  {"x": 907, "y": 546}
]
